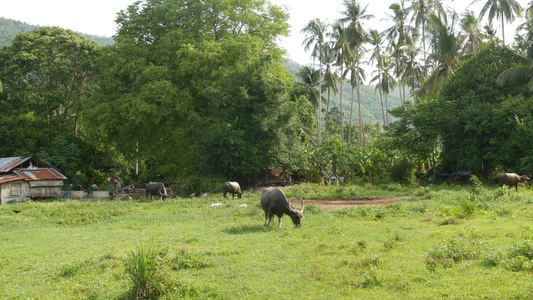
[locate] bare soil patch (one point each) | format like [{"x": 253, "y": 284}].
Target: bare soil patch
[{"x": 334, "y": 204}]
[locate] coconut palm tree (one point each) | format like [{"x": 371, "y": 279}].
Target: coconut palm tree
[
  {"x": 506, "y": 10},
  {"x": 343, "y": 56},
  {"x": 523, "y": 73},
  {"x": 421, "y": 10},
  {"x": 315, "y": 32},
  {"x": 377, "y": 57},
  {"x": 414, "y": 73},
  {"x": 471, "y": 29},
  {"x": 309, "y": 78},
  {"x": 330, "y": 80},
  {"x": 353, "y": 17},
  {"x": 445, "y": 55},
  {"x": 398, "y": 34}
]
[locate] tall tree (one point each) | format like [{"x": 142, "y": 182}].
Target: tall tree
[
  {"x": 421, "y": 10},
  {"x": 47, "y": 72},
  {"x": 377, "y": 58},
  {"x": 330, "y": 80},
  {"x": 309, "y": 78},
  {"x": 504, "y": 10},
  {"x": 343, "y": 56},
  {"x": 196, "y": 87},
  {"x": 472, "y": 31},
  {"x": 315, "y": 32},
  {"x": 445, "y": 56},
  {"x": 398, "y": 34},
  {"x": 354, "y": 17}
]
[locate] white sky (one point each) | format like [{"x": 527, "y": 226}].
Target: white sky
[{"x": 97, "y": 17}]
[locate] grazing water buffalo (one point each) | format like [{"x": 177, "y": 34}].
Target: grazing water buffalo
[
  {"x": 274, "y": 202},
  {"x": 511, "y": 179},
  {"x": 156, "y": 189},
  {"x": 233, "y": 188}
]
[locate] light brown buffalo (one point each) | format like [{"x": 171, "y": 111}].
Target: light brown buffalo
[
  {"x": 511, "y": 179},
  {"x": 233, "y": 188}
]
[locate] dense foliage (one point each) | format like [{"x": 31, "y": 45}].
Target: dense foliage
[
  {"x": 47, "y": 77},
  {"x": 197, "y": 92},
  {"x": 189, "y": 97}
]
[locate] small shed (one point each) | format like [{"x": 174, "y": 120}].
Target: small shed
[{"x": 28, "y": 177}]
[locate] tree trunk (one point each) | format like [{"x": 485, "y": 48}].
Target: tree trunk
[
  {"x": 361, "y": 126},
  {"x": 351, "y": 116},
  {"x": 342, "y": 114},
  {"x": 319, "y": 125}
]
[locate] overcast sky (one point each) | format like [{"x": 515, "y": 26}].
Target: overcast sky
[{"x": 97, "y": 17}]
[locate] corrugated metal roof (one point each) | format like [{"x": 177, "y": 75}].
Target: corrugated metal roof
[
  {"x": 33, "y": 175},
  {"x": 42, "y": 174},
  {"x": 9, "y": 163},
  {"x": 9, "y": 178}
]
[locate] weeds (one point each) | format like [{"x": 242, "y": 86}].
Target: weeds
[{"x": 143, "y": 270}]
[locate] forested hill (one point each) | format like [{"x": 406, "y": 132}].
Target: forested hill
[
  {"x": 10, "y": 28},
  {"x": 370, "y": 100}
]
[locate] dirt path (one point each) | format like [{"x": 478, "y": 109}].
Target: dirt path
[{"x": 333, "y": 204}]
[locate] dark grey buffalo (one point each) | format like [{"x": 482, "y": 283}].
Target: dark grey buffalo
[
  {"x": 274, "y": 202},
  {"x": 156, "y": 189},
  {"x": 233, "y": 188},
  {"x": 511, "y": 179}
]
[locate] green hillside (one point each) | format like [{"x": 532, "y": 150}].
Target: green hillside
[{"x": 10, "y": 28}]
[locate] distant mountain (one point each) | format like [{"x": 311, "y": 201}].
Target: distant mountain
[
  {"x": 370, "y": 101},
  {"x": 10, "y": 28}
]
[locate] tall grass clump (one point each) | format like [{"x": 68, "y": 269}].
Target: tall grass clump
[{"x": 142, "y": 268}]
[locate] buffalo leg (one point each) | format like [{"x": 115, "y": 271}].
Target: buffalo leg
[{"x": 268, "y": 218}]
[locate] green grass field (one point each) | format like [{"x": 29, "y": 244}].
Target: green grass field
[{"x": 445, "y": 242}]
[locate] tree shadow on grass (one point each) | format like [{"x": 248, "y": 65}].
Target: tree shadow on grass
[{"x": 244, "y": 229}]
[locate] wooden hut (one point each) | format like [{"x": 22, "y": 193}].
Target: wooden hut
[{"x": 28, "y": 177}]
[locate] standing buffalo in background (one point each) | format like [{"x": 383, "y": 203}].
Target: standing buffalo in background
[
  {"x": 233, "y": 188},
  {"x": 274, "y": 202},
  {"x": 511, "y": 179},
  {"x": 156, "y": 189}
]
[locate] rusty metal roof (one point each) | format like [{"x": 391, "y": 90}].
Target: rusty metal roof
[
  {"x": 43, "y": 174},
  {"x": 11, "y": 169},
  {"x": 9, "y": 163},
  {"x": 32, "y": 175}
]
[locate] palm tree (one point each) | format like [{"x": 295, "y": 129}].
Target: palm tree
[
  {"x": 413, "y": 73},
  {"x": 353, "y": 16},
  {"x": 445, "y": 55},
  {"x": 315, "y": 32},
  {"x": 356, "y": 74},
  {"x": 398, "y": 34},
  {"x": 421, "y": 10},
  {"x": 309, "y": 78},
  {"x": 473, "y": 36},
  {"x": 330, "y": 80},
  {"x": 524, "y": 32},
  {"x": 385, "y": 84},
  {"x": 489, "y": 33},
  {"x": 343, "y": 56},
  {"x": 506, "y": 10},
  {"x": 524, "y": 72},
  {"x": 377, "y": 57}
]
